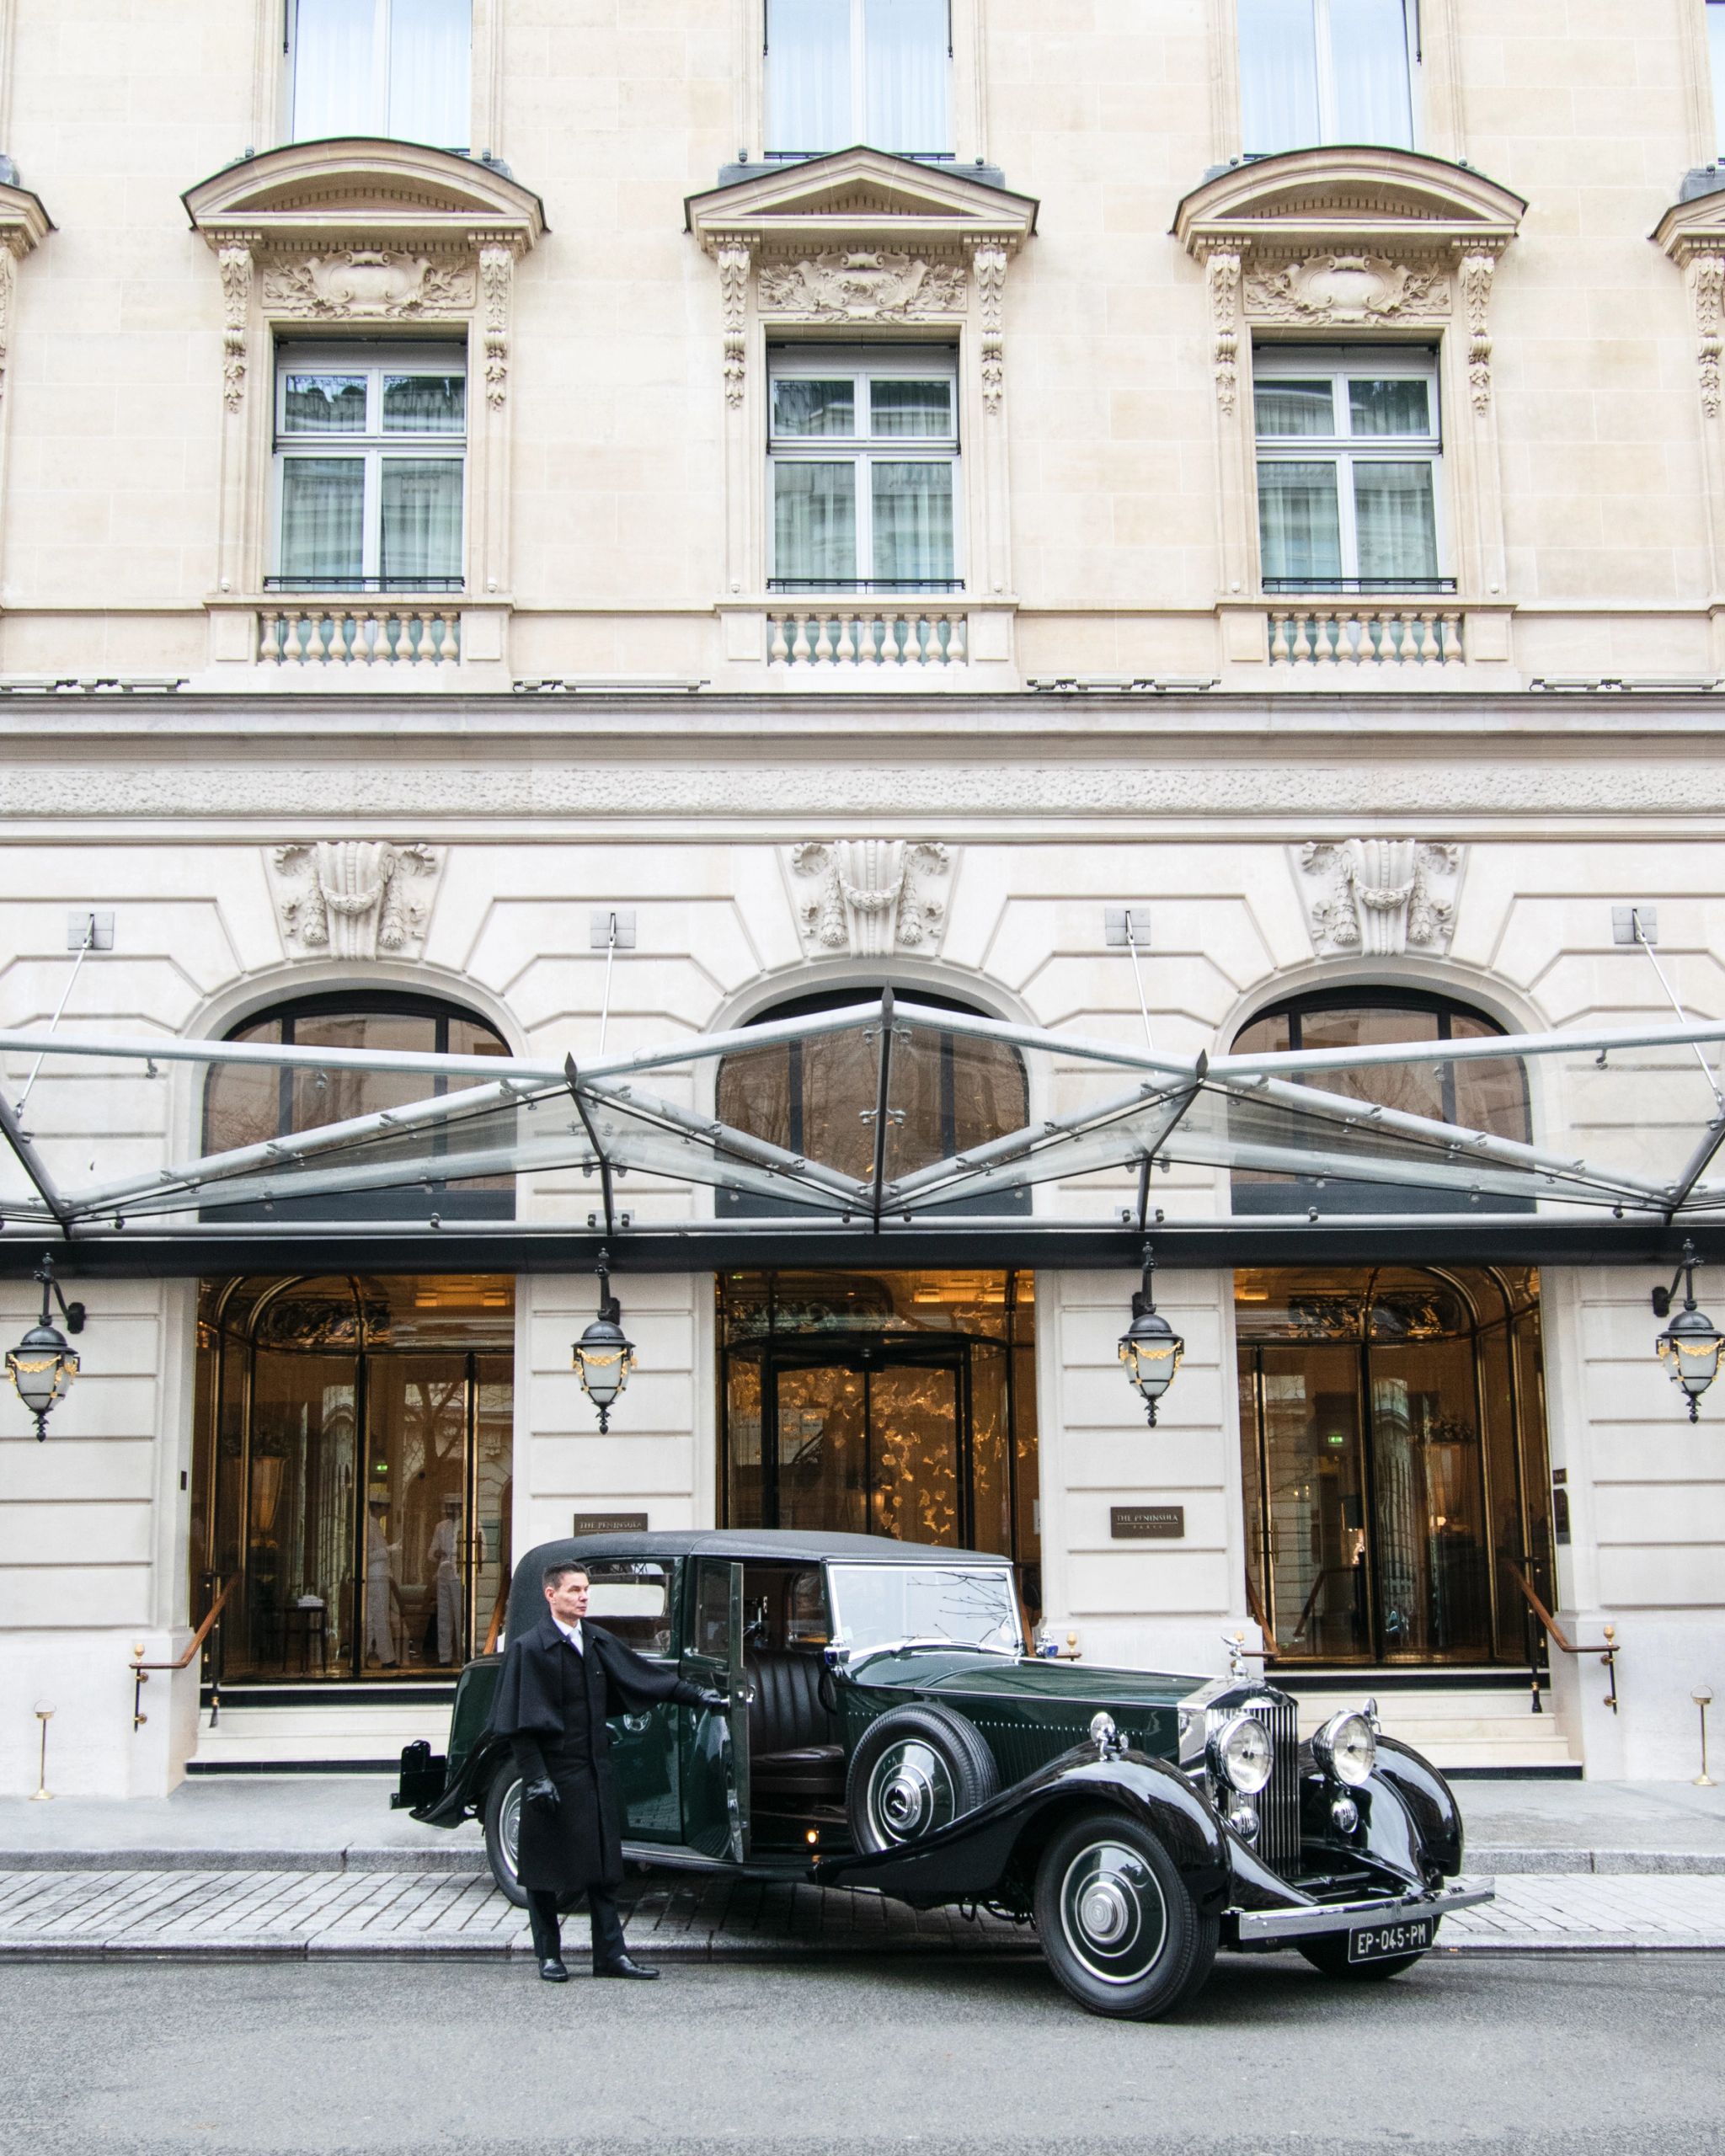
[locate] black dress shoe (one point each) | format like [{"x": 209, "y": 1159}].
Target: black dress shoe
[
  {"x": 623, "y": 1966},
  {"x": 553, "y": 1971}
]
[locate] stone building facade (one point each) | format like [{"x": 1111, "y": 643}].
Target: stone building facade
[{"x": 1179, "y": 530}]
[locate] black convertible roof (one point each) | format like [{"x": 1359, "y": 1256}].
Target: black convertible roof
[{"x": 526, "y": 1596}]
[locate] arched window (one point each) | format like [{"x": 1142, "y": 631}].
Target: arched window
[
  {"x": 1490, "y": 1094},
  {"x": 816, "y": 1097},
  {"x": 246, "y": 1103}
]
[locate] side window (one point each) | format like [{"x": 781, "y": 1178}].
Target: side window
[
  {"x": 371, "y": 465},
  {"x": 1349, "y": 454},
  {"x": 632, "y": 1600},
  {"x": 712, "y": 1634},
  {"x": 1326, "y": 71},
  {"x": 397, "y": 67},
  {"x": 877, "y": 72},
  {"x": 864, "y": 454}
]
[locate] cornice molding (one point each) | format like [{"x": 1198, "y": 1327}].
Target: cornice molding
[
  {"x": 25, "y": 223},
  {"x": 1304, "y": 197},
  {"x": 860, "y": 194},
  {"x": 362, "y": 188}
]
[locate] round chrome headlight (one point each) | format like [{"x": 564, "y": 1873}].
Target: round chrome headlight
[
  {"x": 1241, "y": 1754},
  {"x": 1347, "y": 1747}
]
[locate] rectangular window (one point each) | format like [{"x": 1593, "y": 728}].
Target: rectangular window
[
  {"x": 370, "y": 460},
  {"x": 863, "y": 450},
  {"x": 1326, "y": 71},
  {"x": 1349, "y": 449},
  {"x": 1715, "y": 60},
  {"x": 840, "y": 72},
  {"x": 396, "y": 67}
]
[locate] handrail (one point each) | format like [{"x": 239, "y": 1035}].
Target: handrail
[
  {"x": 1561, "y": 1640},
  {"x": 497, "y": 1616},
  {"x": 141, "y": 1669},
  {"x": 1254, "y": 1603}
]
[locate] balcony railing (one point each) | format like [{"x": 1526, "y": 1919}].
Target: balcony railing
[
  {"x": 441, "y": 585},
  {"x": 1362, "y": 633},
  {"x": 925, "y": 584},
  {"x": 849, "y": 635},
  {"x": 1370, "y": 586},
  {"x": 329, "y": 632}
]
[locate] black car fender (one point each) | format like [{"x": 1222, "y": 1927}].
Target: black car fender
[
  {"x": 991, "y": 1853},
  {"x": 464, "y": 1796},
  {"x": 1430, "y": 1829}
]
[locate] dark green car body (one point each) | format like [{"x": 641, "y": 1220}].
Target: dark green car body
[{"x": 943, "y": 1772}]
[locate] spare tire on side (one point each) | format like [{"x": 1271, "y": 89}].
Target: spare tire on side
[{"x": 914, "y": 1769}]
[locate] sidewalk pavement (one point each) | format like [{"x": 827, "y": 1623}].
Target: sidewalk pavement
[{"x": 343, "y": 1823}]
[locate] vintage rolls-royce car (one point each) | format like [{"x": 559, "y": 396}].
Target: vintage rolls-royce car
[{"x": 889, "y": 1730}]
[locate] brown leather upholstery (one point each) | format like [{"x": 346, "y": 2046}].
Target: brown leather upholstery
[{"x": 796, "y": 1751}]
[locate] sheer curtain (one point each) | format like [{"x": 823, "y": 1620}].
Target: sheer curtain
[
  {"x": 1277, "y": 75},
  {"x": 814, "y": 521},
  {"x": 430, "y": 44},
  {"x": 421, "y": 535},
  {"x": 1395, "y": 523},
  {"x": 908, "y": 106},
  {"x": 913, "y": 522},
  {"x": 323, "y": 517},
  {"x": 335, "y": 68},
  {"x": 1298, "y": 527},
  {"x": 1368, "y": 73},
  {"x": 808, "y": 76},
  {"x": 1716, "y": 53}
]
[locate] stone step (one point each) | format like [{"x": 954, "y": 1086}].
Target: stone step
[{"x": 260, "y": 1737}]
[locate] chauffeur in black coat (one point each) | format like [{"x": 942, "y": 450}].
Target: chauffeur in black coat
[{"x": 560, "y": 1681}]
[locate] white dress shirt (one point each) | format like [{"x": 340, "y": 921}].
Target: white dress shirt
[{"x": 572, "y": 1633}]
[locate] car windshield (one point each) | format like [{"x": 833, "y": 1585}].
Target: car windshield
[{"x": 885, "y": 1605}]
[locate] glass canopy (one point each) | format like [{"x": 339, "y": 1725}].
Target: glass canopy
[{"x": 1628, "y": 1119}]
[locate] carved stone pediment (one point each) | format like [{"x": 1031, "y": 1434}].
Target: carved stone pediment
[
  {"x": 1348, "y": 196},
  {"x": 1347, "y": 289},
  {"x": 387, "y": 283},
  {"x": 852, "y": 190},
  {"x": 862, "y": 284},
  {"x": 365, "y": 189}
]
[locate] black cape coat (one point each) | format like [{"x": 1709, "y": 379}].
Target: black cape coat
[{"x": 553, "y": 1703}]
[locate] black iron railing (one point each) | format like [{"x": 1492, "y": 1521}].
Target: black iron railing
[
  {"x": 1361, "y": 586},
  {"x": 423, "y": 586},
  {"x": 847, "y": 587}
]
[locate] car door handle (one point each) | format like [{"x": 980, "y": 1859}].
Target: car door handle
[{"x": 636, "y": 1723}]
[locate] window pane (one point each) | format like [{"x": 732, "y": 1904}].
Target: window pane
[
  {"x": 1277, "y": 75},
  {"x": 1369, "y": 64},
  {"x": 1390, "y": 407},
  {"x": 323, "y": 517},
  {"x": 422, "y": 518},
  {"x": 913, "y": 522},
  {"x": 906, "y": 47},
  {"x": 1298, "y": 527},
  {"x": 1294, "y": 408},
  {"x": 1397, "y": 529},
  {"x": 808, "y": 76},
  {"x": 324, "y": 404},
  {"x": 911, "y": 407},
  {"x": 429, "y": 98},
  {"x": 814, "y": 408},
  {"x": 334, "y": 69},
  {"x": 1716, "y": 50},
  {"x": 814, "y": 521},
  {"x": 424, "y": 403}
]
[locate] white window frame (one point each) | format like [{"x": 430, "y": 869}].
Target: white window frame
[
  {"x": 1338, "y": 363},
  {"x": 790, "y": 153},
  {"x": 859, "y": 364},
  {"x": 374, "y": 448},
  {"x": 381, "y": 30},
  {"x": 1328, "y": 127}
]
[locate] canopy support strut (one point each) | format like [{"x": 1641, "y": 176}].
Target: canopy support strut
[
  {"x": 572, "y": 1079},
  {"x": 881, "y": 1111}
]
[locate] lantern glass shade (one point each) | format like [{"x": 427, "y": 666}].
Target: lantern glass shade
[
  {"x": 603, "y": 1358},
  {"x": 42, "y": 1367},
  {"x": 1150, "y": 1350},
  {"x": 1690, "y": 1347}
]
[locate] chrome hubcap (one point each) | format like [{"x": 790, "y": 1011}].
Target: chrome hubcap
[
  {"x": 909, "y": 1792},
  {"x": 509, "y": 1828},
  {"x": 1112, "y": 1912}
]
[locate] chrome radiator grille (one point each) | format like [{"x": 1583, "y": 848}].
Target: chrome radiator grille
[{"x": 1277, "y": 1804}]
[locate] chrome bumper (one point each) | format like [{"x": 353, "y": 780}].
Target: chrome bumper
[{"x": 1267, "y": 1926}]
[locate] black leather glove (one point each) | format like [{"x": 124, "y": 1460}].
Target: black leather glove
[
  {"x": 543, "y": 1794},
  {"x": 715, "y": 1703}
]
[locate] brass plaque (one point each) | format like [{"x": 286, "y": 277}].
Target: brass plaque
[
  {"x": 1147, "y": 1522},
  {"x": 610, "y": 1524}
]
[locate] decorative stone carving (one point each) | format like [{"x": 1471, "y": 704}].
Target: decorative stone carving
[
  {"x": 871, "y": 897},
  {"x": 989, "y": 265},
  {"x": 733, "y": 257},
  {"x": 1379, "y": 898},
  {"x": 235, "y": 264},
  {"x": 1224, "y": 271},
  {"x": 360, "y": 282},
  {"x": 1477, "y": 274},
  {"x": 355, "y": 898},
  {"x": 8, "y": 281},
  {"x": 497, "y": 274},
  {"x": 1707, "y": 292},
  {"x": 862, "y": 284},
  {"x": 1347, "y": 288}
]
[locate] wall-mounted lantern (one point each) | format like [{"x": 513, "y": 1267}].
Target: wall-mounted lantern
[
  {"x": 42, "y": 1367},
  {"x": 1150, "y": 1348},
  {"x": 1689, "y": 1345},
  {"x": 603, "y": 1356}
]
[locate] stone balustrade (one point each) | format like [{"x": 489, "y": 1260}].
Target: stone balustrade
[
  {"x": 1335, "y": 633},
  {"x": 310, "y": 634},
  {"x": 868, "y": 636}
]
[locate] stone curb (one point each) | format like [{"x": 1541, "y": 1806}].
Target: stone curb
[{"x": 1602, "y": 1863}]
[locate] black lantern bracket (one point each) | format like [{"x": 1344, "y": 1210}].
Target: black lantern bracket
[{"x": 1663, "y": 1298}]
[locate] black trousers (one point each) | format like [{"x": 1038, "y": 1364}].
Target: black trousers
[{"x": 543, "y": 1917}]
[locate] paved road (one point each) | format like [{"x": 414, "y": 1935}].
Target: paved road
[{"x": 1595, "y": 2056}]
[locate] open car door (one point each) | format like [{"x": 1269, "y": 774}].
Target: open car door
[{"x": 716, "y": 1747}]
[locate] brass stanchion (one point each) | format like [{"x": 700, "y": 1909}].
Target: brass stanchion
[
  {"x": 1703, "y": 1697},
  {"x": 43, "y": 1795}
]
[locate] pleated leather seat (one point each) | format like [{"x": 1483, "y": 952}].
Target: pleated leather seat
[{"x": 795, "y": 1751}]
